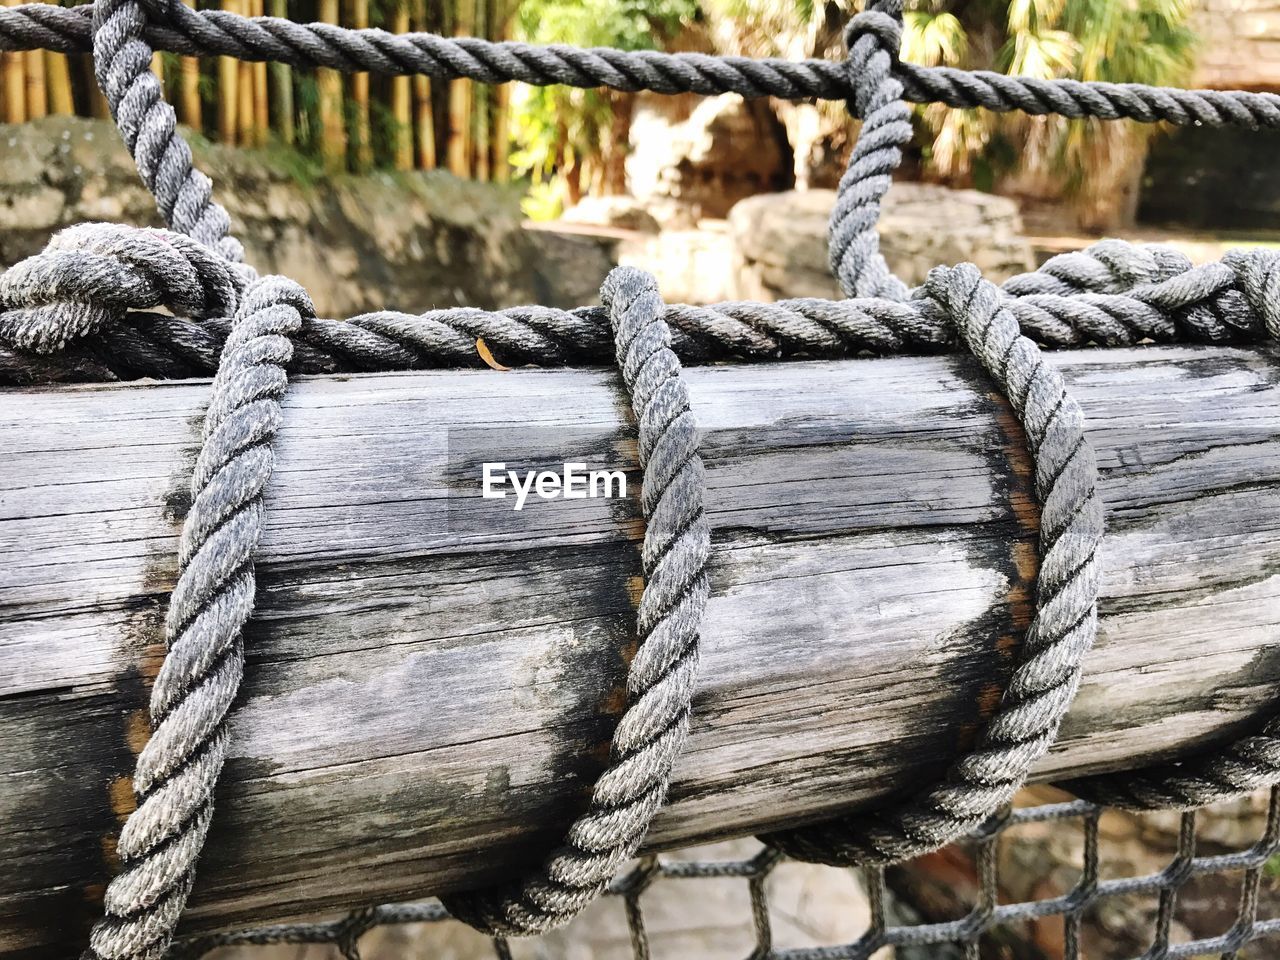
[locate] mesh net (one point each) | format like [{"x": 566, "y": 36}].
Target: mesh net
[{"x": 1046, "y": 880}]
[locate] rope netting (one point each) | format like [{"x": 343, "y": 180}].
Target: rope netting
[
  {"x": 87, "y": 308},
  {"x": 984, "y": 923}
]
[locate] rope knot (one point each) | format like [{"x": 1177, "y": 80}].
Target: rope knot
[
  {"x": 1258, "y": 276},
  {"x": 92, "y": 275},
  {"x": 881, "y": 20}
]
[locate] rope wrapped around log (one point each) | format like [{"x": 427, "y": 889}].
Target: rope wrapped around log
[{"x": 1114, "y": 293}]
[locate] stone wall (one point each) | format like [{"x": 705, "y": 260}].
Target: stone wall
[
  {"x": 406, "y": 241},
  {"x": 1240, "y": 44}
]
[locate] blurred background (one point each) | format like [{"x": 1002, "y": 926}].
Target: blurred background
[{"x": 721, "y": 197}]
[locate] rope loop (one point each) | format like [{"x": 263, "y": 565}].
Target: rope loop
[
  {"x": 854, "y": 244},
  {"x": 91, "y": 275},
  {"x": 663, "y": 672},
  {"x": 178, "y": 767},
  {"x": 1050, "y": 657},
  {"x": 149, "y": 127},
  {"x": 1257, "y": 273},
  {"x": 882, "y": 23}
]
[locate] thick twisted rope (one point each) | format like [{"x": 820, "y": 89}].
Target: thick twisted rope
[
  {"x": 1252, "y": 761},
  {"x": 179, "y": 766},
  {"x": 1047, "y": 674},
  {"x": 191, "y": 269},
  {"x": 1114, "y": 293},
  {"x": 661, "y": 678},
  {"x": 219, "y": 33},
  {"x": 148, "y": 125},
  {"x": 91, "y": 275},
  {"x": 873, "y": 37}
]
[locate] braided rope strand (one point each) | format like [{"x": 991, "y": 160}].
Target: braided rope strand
[
  {"x": 662, "y": 675},
  {"x": 179, "y": 766},
  {"x": 149, "y": 128},
  {"x": 873, "y": 38},
  {"x": 1115, "y": 293},
  {"x": 209, "y": 33},
  {"x": 1062, "y": 631}
]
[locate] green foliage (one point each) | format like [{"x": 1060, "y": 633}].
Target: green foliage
[
  {"x": 1272, "y": 867},
  {"x": 555, "y": 129},
  {"x": 627, "y": 24},
  {"x": 1137, "y": 41}
]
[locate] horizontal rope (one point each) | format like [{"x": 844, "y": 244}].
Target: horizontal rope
[
  {"x": 1112, "y": 294},
  {"x": 220, "y": 33}
]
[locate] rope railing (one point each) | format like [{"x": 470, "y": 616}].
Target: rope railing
[{"x": 208, "y": 33}]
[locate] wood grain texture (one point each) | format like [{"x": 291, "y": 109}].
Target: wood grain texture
[{"x": 432, "y": 678}]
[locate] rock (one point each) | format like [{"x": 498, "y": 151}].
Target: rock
[
  {"x": 623, "y": 213},
  {"x": 411, "y": 242},
  {"x": 781, "y": 238},
  {"x": 571, "y": 264},
  {"x": 692, "y": 266},
  {"x": 694, "y": 159}
]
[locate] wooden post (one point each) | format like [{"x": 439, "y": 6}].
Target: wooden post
[
  {"x": 401, "y": 110},
  {"x": 432, "y": 677},
  {"x": 282, "y": 85}
]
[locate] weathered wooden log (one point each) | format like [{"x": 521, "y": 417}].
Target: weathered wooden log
[{"x": 433, "y": 677}]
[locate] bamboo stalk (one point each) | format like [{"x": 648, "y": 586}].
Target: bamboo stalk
[
  {"x": 261, "y": 111},
  {"x": 400, "y": 106},
  {"x": 189, "y": 109},
  {"x": 363, "y": 152},
  {"x": 425, "y": 123},
  {"x": 458, "y": 146},
  {"x": 98, "y": 106},
  {"x": 15, "y": 93},
  {"x": 246, "y": 128},
  {"x": 245, "y": 133},
  {"x": 501, "y": 138},
  {"x": 228, "y": 81},
  {"x": 500, "y": 135},
  {"x": 58, "y": 77},
  {"x": 15, "y": 83},
  {"x": 481, "y": 105},
  {"x": 36, "y": 92},
  {"x": 333, "y": 133},
  {"x": 282, "y": 85}
]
